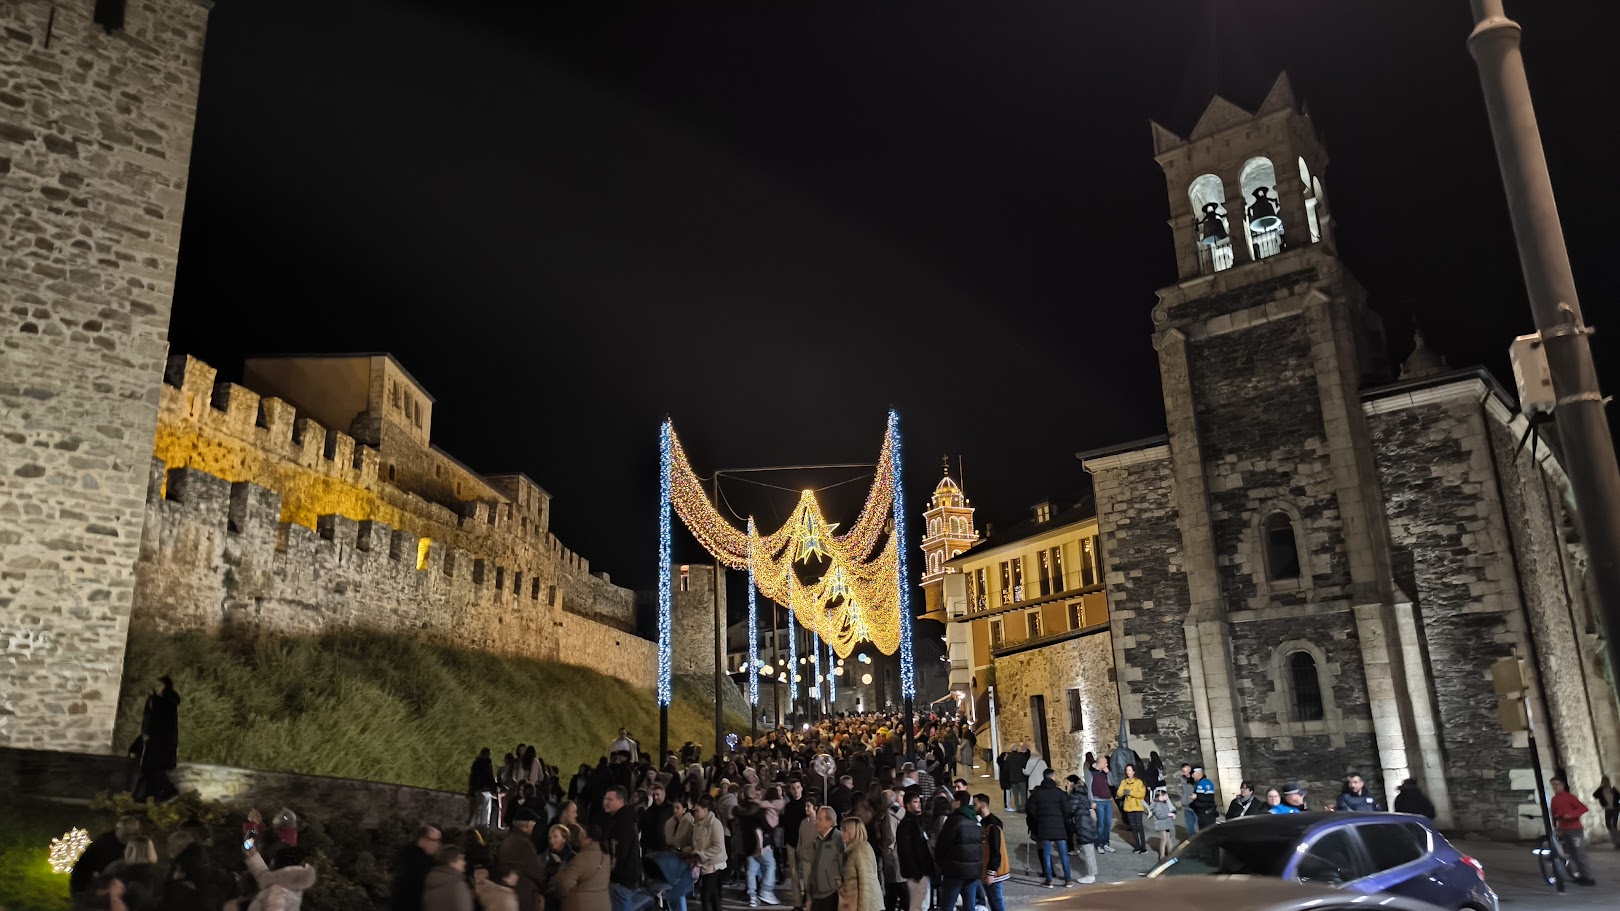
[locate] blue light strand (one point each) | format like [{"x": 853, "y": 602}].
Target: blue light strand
[
  {"x": 908, "y": 671},
  {"x": 815, "y": 675},
  {"x": 665, "y": 596},
  {"x": 793, "y": 660},
  {"x": 753, "y": 624},
  {"x": 832, "y": 679}
]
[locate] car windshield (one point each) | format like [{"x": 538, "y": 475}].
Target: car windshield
[{"x": 1233, "y": 850}]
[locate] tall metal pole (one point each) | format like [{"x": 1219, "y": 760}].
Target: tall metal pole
[
  {"x": 776, "y": 662},
  {"x": 719, "y": 648},
  {"x": 1583, "y": 427}
]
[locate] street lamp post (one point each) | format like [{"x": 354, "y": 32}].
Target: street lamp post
[{"x": 1583, "y": 427}]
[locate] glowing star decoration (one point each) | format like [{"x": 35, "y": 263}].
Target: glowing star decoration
[
  {"x": 65, "y": 851},
  {"x": 813, "y": 536},
  {"x": 836, "y": 583}
]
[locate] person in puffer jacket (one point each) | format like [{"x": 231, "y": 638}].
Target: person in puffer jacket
[
  {"x": 959, "y": 856},
  {"x": 1083, "y": 826},
  {"x": 282, "y": 882}
]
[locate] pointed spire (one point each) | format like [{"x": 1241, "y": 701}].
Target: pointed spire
[
  {"x": 1218, "y": 116},
  {"x": 1280, "y": 98},
  {"x": 1163, "y": 139}
]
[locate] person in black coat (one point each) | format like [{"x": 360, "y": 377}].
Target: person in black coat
[
  {"x": 1048, "y": 814},
  {"x": 1411, "y": 799},
  {"x": 911, "y": 845},
  {"x": 959, "y": 856},
  {"x": 410, "y": 872},
  {"x": 104, "y": 851},
  {"x": 481, "y": 788},
  {"x": 159, "y": 742},
  {"x": 1246, "y": 803}
]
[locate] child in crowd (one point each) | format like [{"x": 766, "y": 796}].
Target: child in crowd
[{"x": 1162, "y": 819}]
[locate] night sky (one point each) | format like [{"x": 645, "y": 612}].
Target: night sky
[{"x": 773, "y": 221}]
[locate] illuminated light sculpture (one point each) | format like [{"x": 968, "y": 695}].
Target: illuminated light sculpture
[
  {"x": 65, "y": 851},
  {"x": 863, "y": 594},
  {"x": 832, "y": 681},
  {"x": 793, "y": 662},
  {"x": 753, "y": 630},
  {"x": 665, "y": 596}
]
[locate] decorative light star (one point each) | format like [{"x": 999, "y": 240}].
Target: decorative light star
[{"x": 812, "y": 539}]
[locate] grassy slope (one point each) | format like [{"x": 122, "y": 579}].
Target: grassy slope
[
  {"x": 388, "y": 708},
  {"x": 27, "y": 882}
]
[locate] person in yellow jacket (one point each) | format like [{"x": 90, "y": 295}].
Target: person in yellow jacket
[{"x": 1133, "y": 791}]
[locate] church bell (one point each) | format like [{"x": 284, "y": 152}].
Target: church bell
[
  {"x": 1263, "y": 214},
  {"x": 1211, "y": 228}
]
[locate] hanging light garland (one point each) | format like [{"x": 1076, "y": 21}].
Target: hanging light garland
[
  {"x": 908, "y": 671},
  {"x": 665, "y": 596},
  {"x": 860, "y": 597},
  {"x": 753, "y": 629}
]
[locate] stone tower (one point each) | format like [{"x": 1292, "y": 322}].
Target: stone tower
[
  {"x": 95, "y": 145},
  {"x": 947, "y": 532},
  {"x": 1290, "y": 604}
]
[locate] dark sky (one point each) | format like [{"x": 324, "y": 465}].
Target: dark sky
[{"x": 773, "y": 221}]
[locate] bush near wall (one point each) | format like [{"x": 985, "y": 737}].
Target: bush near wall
[{"x": 389, "y": 707}]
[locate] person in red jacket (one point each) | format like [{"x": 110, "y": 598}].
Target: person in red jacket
[{"x": 1567, "y": 811}]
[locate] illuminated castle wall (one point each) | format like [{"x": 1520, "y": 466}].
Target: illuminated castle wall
[{"x": 259, "y": 518}]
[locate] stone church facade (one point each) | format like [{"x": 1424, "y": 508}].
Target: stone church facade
[{"x": 1314, "y": 569}]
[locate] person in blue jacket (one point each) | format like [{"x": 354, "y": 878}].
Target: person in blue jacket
[{"x": 1293, "y": 799}]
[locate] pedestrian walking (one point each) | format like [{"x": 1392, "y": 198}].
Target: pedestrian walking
[
  {"x": 1083, "y": 826},
  {"x": 997, "y": 860},
  {"x": 1567, "y": 811},
  {"x": 586, "y": 882},
  {"x": 1132, "y": 794},
  {"x": 1608, "y": 797},
  {"x": 481, "y": 789},
  {"x": 709, "y": 844},
  {"x": 861, "y": 889},
  {"x": 517, "y": 852},
  {"x": 1047, "y": 813},
  {"x": 959, "y": 857},
  {"x": 915, "y": 854},
  {"x": 824, "y": 872},
  {"x": 1409, "y": 798},
  {"x": 1188, "y": 792},
  {"x": 446, "y": 888},
  {"x": 411, "y": 869}
]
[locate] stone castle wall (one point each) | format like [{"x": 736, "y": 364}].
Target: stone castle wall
[
  {"x": 231, "y": 432},
  {"x": 95, "y": 145},
  {"x": 1085, "y": 664},
  {"x": 215, "y": 555}
]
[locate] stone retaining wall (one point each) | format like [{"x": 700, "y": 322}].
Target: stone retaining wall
[{"x": 40, "y": 773}]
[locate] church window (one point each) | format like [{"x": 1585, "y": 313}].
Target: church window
[
  {"x": 1282, "y": 549},
  {"x": 1262, "y": 220},
  {"x": 1307, "y": 687},
  {"x": 1211, "y": 227}
]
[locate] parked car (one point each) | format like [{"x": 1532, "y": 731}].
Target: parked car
[
  {"x": 1227, "y": 893},
  {"x": 1390, "y": 853}
]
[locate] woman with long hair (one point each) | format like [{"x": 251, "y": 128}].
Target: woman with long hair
[{"x": 861, "y": 890}]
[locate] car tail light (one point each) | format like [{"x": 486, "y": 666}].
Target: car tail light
[{"x": 1478, "y": 867}]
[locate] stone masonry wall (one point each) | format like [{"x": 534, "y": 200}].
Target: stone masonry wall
[
  {"x": 231, "y": 432},
  {"x": 95, "y": 146},
  {"x": 1147, "y": 603},
  {"x": 216, "y": 554},
  {"x": 1085, "y": 664},
  {"x": 1452, "y": 556}
]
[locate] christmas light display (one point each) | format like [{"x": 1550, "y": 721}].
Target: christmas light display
[
  {"x": 665, "y": 596},
  {"x": 832, "y": 681},
  {"x": 753, "y": 630},
  {"x": 908, "y": 673},
  {"x": 815, "y": 649},
  {"x": 793, "y": 663},
  {"x": 859, "y": 597},
  {"x": 65, "y": 851}
]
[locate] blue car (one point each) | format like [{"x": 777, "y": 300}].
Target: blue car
[{"x": 1361, "y": 852}]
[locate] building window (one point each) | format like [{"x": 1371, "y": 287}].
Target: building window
[
  {"x": 1033, "y": 618},
  {"x": 1057, "y": 569},
  {"x": 686, "y": 578},
  {"x": 983, "y": 588},
  {"x": 1211, "y": 229},
  {"x": 534, "y": 589},
  {"x": 1262, "y": 218},
  {"x": 1088, "y": 562},
  {"x": 1282, "y": 549},
  {"x": 1077, "y": 714},
  {"x": 1077, "y": 614},
  {"x": 975, "y": 603},
  {"x": 1043, "y": 512},
  {"x": 500, "y": 578},
  {"x": 1017, "y": 565},
  {"x": 1307, "y": 687},
  {"x": 393, "y": 394},
  {"x": 995, "y": 633},
  {"x": 1006, "y": 582},
  {"x": 1044, "y": 559}
]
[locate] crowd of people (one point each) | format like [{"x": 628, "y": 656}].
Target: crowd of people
[{"x": 833, "y": 816}]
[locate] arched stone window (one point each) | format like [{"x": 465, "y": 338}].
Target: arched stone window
[
  {"x": 1208, "y": 197},
  {"x": 1305, "y": 687},
  {"x": 1282, "y": 547},
  {"x": 1259, "y": 182}
]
